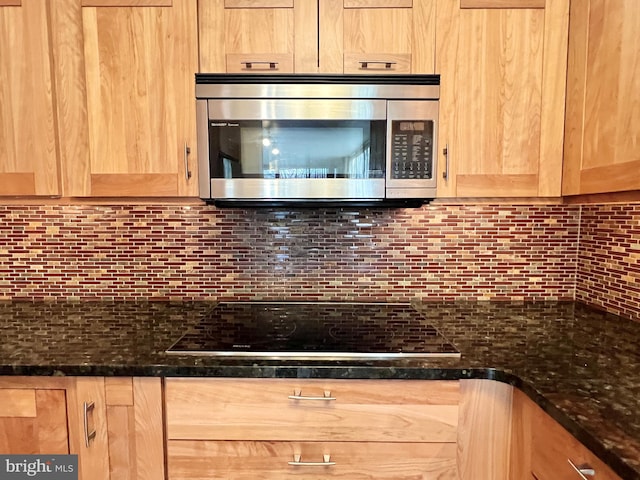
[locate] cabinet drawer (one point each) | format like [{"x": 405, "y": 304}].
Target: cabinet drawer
[
  {"x": 195, "y": 460},
  {"x": 553, "y": 447},
  {"x": 259, "y": 63},
  {"x": 377, "y": 63},
  {"x": 261, "y": 409}
]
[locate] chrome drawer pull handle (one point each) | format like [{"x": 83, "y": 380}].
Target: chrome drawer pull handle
[
  {"x": 326, "y": 462},
  {"x": 583, "y": 470},
  {"x": 253, "y": 64},
  {"x": 88, "y": 435},
  {"x": 364, "y": 65},
  {"x": 297, "y": 395}
]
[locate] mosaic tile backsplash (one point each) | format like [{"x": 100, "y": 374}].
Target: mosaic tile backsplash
[
  {"x": 609, "y": 258},
  {"x": 439, "y": 252}
]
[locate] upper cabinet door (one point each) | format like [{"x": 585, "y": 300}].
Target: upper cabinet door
[
  {"x": 503, "y": 73},
  {"x": 28, "y": 157},
  {"x": 377, "y": 36},
  {"x": 258, "y": 36},
  {"x": 602, "y": 131},
  {"x": 126, "y": 108}
]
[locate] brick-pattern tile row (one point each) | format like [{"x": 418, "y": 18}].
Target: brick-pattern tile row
[
  {"x": 440, "y": 252},
  {"x": 609, "y": 258}
]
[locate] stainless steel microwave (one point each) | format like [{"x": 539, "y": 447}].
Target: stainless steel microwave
[{"x": 267, "y": 140}]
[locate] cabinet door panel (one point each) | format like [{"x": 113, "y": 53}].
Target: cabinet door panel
[
  {"x": 128, "y": 421},
  {"x": 553, "y": 447},
  {"x": 501, "y": 110},
  {"x": 259, "y": 35},
  {"x": 376, "y": 63},
  {"x": 28, "y": 155},
  {"x": 264, "y": 33},
  {"x": 484, "y": 430},
  {"x": 195, "y": 460},
  {"x": 33, "y": 421},
  {"x": 134, "y": 417},
  {"x": 378, "y": 30},
  {"x": 400, "y": 34},
  {"x": 603, "y": 112},
  {"x": 123, "y": 124}
]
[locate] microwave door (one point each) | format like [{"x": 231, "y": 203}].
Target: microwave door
[{"x": 289, "y": 149}]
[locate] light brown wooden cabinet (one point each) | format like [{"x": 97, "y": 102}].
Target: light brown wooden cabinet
[
  {"x": 543, "y": 450},
  {"x": 124, "y": 76},
  {"x": 312, "y": 36},
  {"x": 46, "y": 415},
  {"x": 484, "y": 430},
  {"x": 29, "y": 163},
  {"x": 377, "y": 36},
  {"x": 602, "y": 130},
  {"x": 218, "y": 428},
  {"x": 33, "y": 418},
  {"x": 270, "y": 428},
  {"x": 104, "y": 106},
  {"x": 258, "y": 36},
  {"x": 127, "y": 418},
  {"x": 502, "y": 97}
]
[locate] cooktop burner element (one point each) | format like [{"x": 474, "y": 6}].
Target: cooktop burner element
[{"x": 314, "y": 330}]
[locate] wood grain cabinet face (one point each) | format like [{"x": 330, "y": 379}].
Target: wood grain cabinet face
[
  {"x": 258, "y": 36},
  {"x": 29, "y": 163},
  {"x": 502, "y": 97},
  {"x": 553, "y": 448},
  {"x": 541, "y": 448},
  {"x": 251, "y": 428},
  {"x": 602, "y": 131},
  {"x": 127, "y": 418},
  {"x": 33, "y": 421},
  {"x": 124, "y": 85},
  {"x": 377, "y": 36},
  {"x": 317, "y": 36}
]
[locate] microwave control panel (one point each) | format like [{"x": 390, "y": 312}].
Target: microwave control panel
[{"x": 411, "y": 149}]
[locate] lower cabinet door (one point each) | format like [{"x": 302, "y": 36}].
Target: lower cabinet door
[
  {"x": 251, "y": 460},
  {"x": 33, "y": 421},
  {"x": 556, "y": 454}
]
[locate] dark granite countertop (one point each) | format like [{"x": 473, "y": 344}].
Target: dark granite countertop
[{"x": 580, "y": 365}]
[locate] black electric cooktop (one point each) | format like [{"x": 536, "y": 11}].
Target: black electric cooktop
[{"x": 302, "y": 330}]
